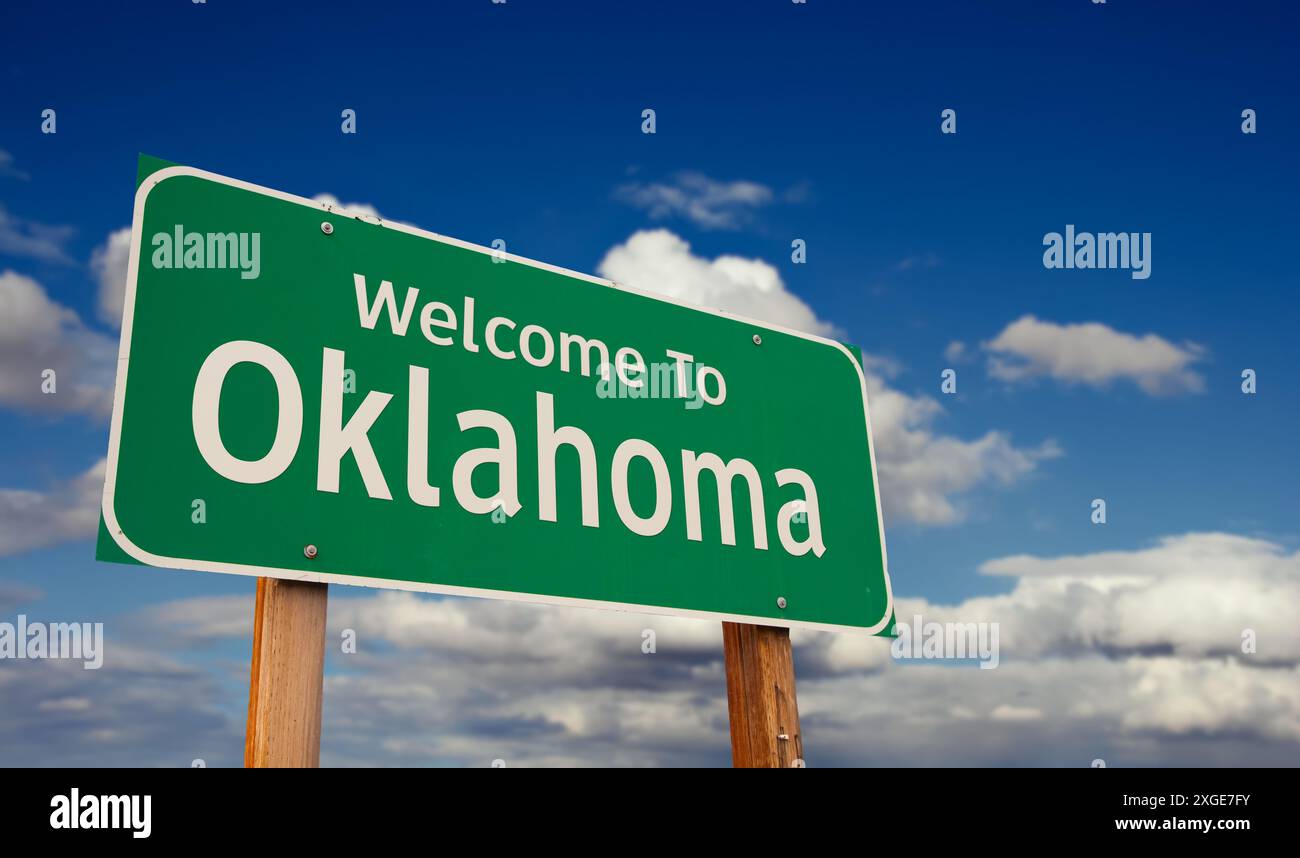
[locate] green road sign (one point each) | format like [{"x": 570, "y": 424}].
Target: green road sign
[{"x": 306, "y": 393}]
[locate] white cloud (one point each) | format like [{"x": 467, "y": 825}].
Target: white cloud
[
  {"x": 1094, "y": 354},
  {"x": 1189, "y": 595},
  {"x": 530, "y": 684},
  {"x": 578, "y": 640},
  {"x": 37, "y": 334},
  {"x": 32, "y": 519},
  {"x": 20, "y": 237},
  {"x": 1116, "y": 655},
  {"x": 706, "y": 202},
  {"x": 660, "y": 261},
  {"x": 956, "y": 352},
  {"x": 1007, "y": 712},
  {"x": 1147, "y": 643},
  {"x": 919, "y": 469},
  {"x": 354, "y": 208},
  {"x": 144, "y": 707},
  {"x": 199, "y": 619},
  {"x": 109, "y": 264}
]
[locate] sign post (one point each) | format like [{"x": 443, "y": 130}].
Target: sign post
[
  {"x": 350, "y": 401},
  {"x": 287, "y": 677},
  {"x": 761, "y": 702}
]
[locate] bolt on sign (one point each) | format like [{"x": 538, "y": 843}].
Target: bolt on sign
[{"x": 362, "y": 402}]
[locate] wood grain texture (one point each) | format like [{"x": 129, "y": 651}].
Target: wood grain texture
[
  {"x": 288, "y": 674},
  {"x": 761, "y": 697}
]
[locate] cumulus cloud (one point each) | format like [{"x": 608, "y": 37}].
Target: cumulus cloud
[
  {"x": 1140, "y": 711},
  {"x": 108, "y": 263},
  {"x": 202, "y": 619},
  {"x": 1189, "y": 596},
  {"x": 37, "y": 519},
  {"x": 660, "y": 261},
  {"x": 552, "y": 686},
  {"x": 1116, "y": 655},
  {"x": 920, "y": 469},
  {"x": 706, "y": 202},
  {"x": 142, "y": 708},
  {"x": 1130, "y": 649},
  {"x": 21, "y": 237},
  {"x": 1093, "y": 354},
  {"x": 38, "y": 334},
  {"x": 603, "y": 692}
]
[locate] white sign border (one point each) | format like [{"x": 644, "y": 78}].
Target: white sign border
[{"x": 151, "y": 559}]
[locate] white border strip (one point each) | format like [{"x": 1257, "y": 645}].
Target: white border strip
[{"x": 148, "y": 558}]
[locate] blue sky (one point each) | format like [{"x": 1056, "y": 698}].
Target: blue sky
[{"x": 523, "y": 121}]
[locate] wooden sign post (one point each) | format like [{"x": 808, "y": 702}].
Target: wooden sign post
[
  {"x": 288, "y": 675},
  {"x": 761, "y": 699}
]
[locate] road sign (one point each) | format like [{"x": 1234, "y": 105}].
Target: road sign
[{"x": 311, "y": 394}]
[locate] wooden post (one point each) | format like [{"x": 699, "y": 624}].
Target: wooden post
[
  {"x": 761, "y": 697},
  {"x": 288, "y": 675}
]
